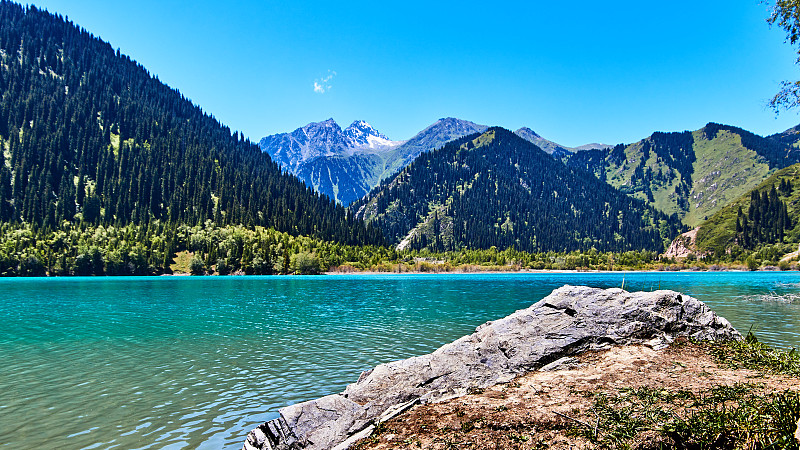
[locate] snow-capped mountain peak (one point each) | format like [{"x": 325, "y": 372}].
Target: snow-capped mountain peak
[
  {"x": 324, "y": 139},
  {"x": 363, "y": 135}
]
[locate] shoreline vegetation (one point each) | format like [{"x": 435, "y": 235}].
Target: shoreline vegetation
[
  {"x": 740, "y": 394},
  {"x": 160, "y": 248}
]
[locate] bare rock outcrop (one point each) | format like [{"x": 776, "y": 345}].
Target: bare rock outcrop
[
  {"x": 684, "y": 245},
  {"x": 571, "y": 320}
]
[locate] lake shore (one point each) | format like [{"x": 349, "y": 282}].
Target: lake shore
[
  {"x": 522, "y": 271},
  {"x": 501, "y": 271}
]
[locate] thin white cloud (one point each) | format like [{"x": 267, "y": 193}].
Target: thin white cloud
[{"x": 322, "y": 85}]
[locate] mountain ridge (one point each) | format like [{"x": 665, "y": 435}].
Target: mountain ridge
[
  {"x": 690, "y": 173},
  {"x": 730, "y": 230},
  {"x": 345, "y": 168},
  {"x": 497, "y": 189}
]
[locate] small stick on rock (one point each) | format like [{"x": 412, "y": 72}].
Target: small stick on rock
[{"x": 573, "y": 419}]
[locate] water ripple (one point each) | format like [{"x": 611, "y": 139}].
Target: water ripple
[{"x": 197, "y": 362}]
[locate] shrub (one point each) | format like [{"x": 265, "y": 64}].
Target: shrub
[
  {"x": 196, "y": 266},
  {"x": 304, "y": 263},
  {"x": 223, "y": 268}
]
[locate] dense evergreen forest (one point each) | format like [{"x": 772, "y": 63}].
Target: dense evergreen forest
[
  {"x": 497, "y": 189},
  {"x": 90, "y": 138},
  {"x": 158, "y": 248},
  {"x": 673, "y": 152},
  {"x": 766, "y": 216},
  {"x": 779, "y": 152}
]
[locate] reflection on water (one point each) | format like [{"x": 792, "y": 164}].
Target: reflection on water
[{"x": 197, "y": 362}]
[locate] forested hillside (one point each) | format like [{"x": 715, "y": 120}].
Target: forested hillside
[
  {"x": 767, "y": 215},
  {"x": 90, "y": 137},
  {"x": 497, "y": 189},
  {"x": 691, "y": 174}
]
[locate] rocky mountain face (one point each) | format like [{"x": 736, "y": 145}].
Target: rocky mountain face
[
  {"x": 346, "y": 164},
  {"x": 497, "y": 189},
  {"x": 570, "y": 321},
  {"x": 592, "y": 146},
  {"x": 323, "y": 140},
  {"x": 361, "y": 135},
  {"x": 550, "y": 147},
  {"x": 432, "y": 137},
  {"x": 692, "y": 173},
  {"x": 557, "y": 151}
]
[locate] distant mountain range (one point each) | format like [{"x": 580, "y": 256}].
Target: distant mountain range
[
  {"x": 347, "y": 164},
  {"x": 556, "y": 150},
  {"x": 498, "y": 189}
]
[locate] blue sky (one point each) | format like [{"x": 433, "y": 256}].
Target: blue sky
[{"x": 575, "y": 72}]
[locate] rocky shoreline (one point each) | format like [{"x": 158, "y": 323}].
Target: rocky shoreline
[{"x": 571, "y": 321}]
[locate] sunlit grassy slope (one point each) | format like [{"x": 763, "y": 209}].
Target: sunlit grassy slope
[
  {"x": 719, "y": 231},
  {"x": 692, "y": 174}
]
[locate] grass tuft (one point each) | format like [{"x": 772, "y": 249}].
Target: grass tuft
[
  {"x": 725, "y": 417},
  {"x": 739, "y": 416},
  {"x": 754, "y": 355}
]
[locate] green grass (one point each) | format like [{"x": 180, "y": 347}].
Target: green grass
[
  {"x": 182, "y": 260},
  {"x": 739, "y": 416},
  {"x": 754, "y": 355},
  {"x": 724, "y": 170},
  {"x": 718, "y": 232},
  {"x": 724, "y": 417}
]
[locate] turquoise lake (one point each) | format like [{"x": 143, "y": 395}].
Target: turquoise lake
[{"x": 184, "y": 362}]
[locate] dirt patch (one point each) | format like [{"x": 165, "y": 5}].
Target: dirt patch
[{"x": 559, "y": 409}]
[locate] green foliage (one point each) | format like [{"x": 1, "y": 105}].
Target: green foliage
[
  {"x": 722, "y": 417},
  {"x": 197, "y": 267},
  {"x": 496, "y": 189},
  {"x": 81, "y": 249},
  {"x": 89, "y": 137},
  {"x": 726, "y": 416},
  {"x": 223, "y": 268},
  {"x": 765, "y": 217},
  {"x": 754, "y": 355},
  {"x": 786, "y": 13},
  {"x": 305, "y": 263},
  {"x": 766, "y": 221}
]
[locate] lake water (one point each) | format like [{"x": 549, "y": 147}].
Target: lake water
[{"x": 179, "y": 362}]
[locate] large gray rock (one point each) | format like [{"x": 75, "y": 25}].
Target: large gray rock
[{"x": 572, "y": 319}]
